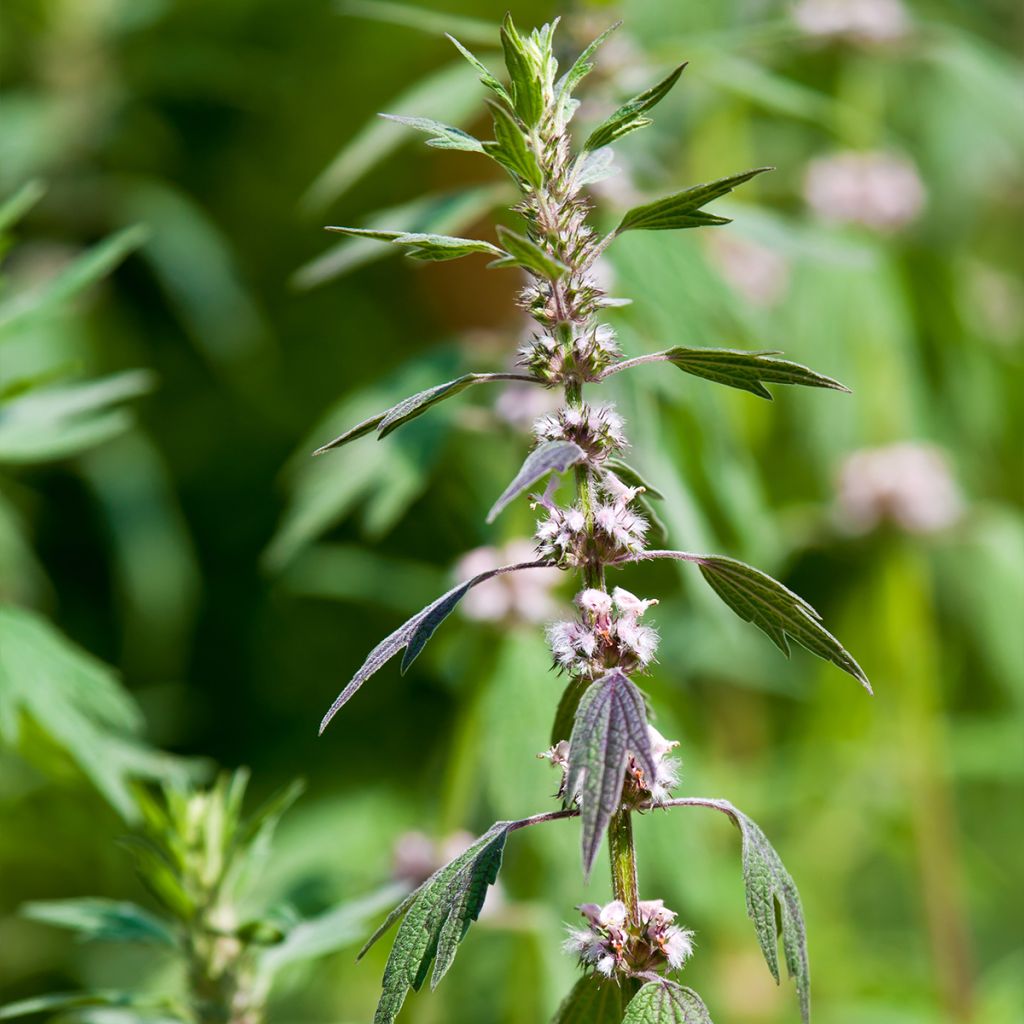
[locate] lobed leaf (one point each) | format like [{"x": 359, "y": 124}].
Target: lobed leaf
[
  {"x": 485, "y": 75},
  {"x": 757, "y": 598},
  {"x": 526, "y": 253},
  {"x": 524, "y": 75},
  {"x": 435, "y": 919},
  {"x": 552, "y": 456},
  {"x": 663, "y": 1001},
  {"x": 593, "y": 1000},
  {"x": 629, "y": 116},
  {"x": 511, "y": 150},
  {"x": 423, "y": 246},
  {"x": 581, "y": 67},
  {"x": 610, "y": 724},
  {"x": 412, "y": 635},
  {"x": 773, "y": 902},
  {"x": 445, "y": 136},
  {"x": 748, "y": 371},
  {"x": 413, "y": 406},
  {"x": 683, "y": 209}
]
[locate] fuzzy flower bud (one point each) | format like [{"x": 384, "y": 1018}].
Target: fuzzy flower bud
[
  {"x": 597, "y": 430},
  {"x": 612, "y": 944}
]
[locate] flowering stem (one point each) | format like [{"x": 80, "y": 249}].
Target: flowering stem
[{"x": 622, "y": 851}]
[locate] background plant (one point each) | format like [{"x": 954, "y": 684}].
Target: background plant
[{"x": 921, "y": 326}]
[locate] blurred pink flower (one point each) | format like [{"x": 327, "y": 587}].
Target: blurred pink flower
[
  {"x": 860, "y": 21},
  {"x": 525, "y": 596},
  {"x": 758, "y": 274}
]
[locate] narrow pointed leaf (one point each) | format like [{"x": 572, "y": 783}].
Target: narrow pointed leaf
[
  {"x": 593, "y": 1000},
  {"x": 424, "y": 246},
  {"x": 748, "y": 371},
  {"x": 16, "y": 206},
  {"x": 526, "y": 253},
  {"x": 665, "y": 1002},
  {"x": 773, "y": 902},
  {"x": 413, "y": 635},
  {"x": 435, "y": 919},
  {"x": 485, "y": 75},
  {"x": 111, "y": 920},
  {"x": 552, "y": 456},
  {"x": 510, "y": 149},
  {"x": 527, "y": 95},
  {"x": 413, "y": 406},
  {"x": 683, "y": 209},
  {"x": 582, "y": 66},
  {"x": 611, "y": 724},
  {"x": 629, "y": 116},
  {"x": 444, "y": 136}
]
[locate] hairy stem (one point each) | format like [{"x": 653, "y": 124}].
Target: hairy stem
[{"x": 622, "y": 852}]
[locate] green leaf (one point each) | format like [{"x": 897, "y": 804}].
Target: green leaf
[
  {"x": 424, "y": 246},
  {"x": 593, "y": 1000},
  {"x": 683, "y": 209},
  {"x": 565, "y": 714},
  {"x": 510, "y": 148},
  {"x": 436, "y": 918},
  {"x": 552, "y": 456},
  {"x": 485, "y": 75},
  {"x": 757, "y": 598},
  {"x": 415, "y": 405},
  {"x": 581, "y": 67},
  {"x": 82, "y": 272},
  {"x": 748, "y": 371},
  {"x": 160, "y": 877},
  {"x": 629, "y": 116},
  {"x": 15, "y": 207},
  {"x": 59, "y": 1002},
  {"x": 524, "y": 75},
  {"x": 445, "y": 136},
  {"x": 526, "y": 253},
  {"x": 665, "y": 1002},
  {"x": 476, "y": 30},
  {"x": 773, "y": 902},
  {"x": 102, "y": 919},
  {"x": 412, "y": 635},
  {"x": 610, "y": 725},
  {"x": 78, "y": 703},
  {"x": 56, "y": 422}
]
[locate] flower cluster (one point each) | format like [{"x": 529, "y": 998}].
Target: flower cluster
[
  {"x": 859, "y": 21},
  {"x": 613, "y": 944},
  {"x": 585, "y": 355},
  {"x": 607, "y": 634},
  {"x": 565, "y": 536},
  {"x": 596, "y": 429}
]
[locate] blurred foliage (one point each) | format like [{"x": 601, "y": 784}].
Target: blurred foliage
[{"x": 147, "y": 407}]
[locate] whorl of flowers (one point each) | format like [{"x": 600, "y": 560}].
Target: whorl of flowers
[
  {"x": 596, "y": 429},
  {"x": 584, "y": 353},
  {"x": 612, "y": 944}
]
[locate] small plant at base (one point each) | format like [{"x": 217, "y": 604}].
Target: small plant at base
[{"x": 614, "y": 762}]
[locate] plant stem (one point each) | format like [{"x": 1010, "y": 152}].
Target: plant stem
[{"x": 622, "y": 852}]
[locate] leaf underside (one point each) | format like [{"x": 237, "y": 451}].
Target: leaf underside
[
  {"x": 610, "y": 724},
  {"x": 552, "y": 456},
  {"x": 748, "y": 371},
  {"x": 593, "y": 1000},
  {"x": 435, "y": 919},
  {"x": 412, "y": 636},
  {"x": 422, "y": 245},
  {"x": 665, "y": 1002},
  {"x": 683, "y": 209}
]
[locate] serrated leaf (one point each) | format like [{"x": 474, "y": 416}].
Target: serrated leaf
[
  {"x": 413, "y": 406},
  {"x": 423, "y": 246},
  {"x": 102, "y": 919},
  {"x": 683, "y": 209},
  {"x": 593, "y": 1000},
  {"x": 629, "y": 116},
  {"x": 757, "y": 598},
  {"x": 773, "y": 902},
  {"x": 666, "y": 1002},
  {"x": 510, "y": 149},
  {"x": 412, "y": 636},
  {"x": 748, "y": 371},
  {"x": 610, "y": 724},
  {"x": 524, "y": 75},
  {"x": 436, "y": 918},
  {"x": 484, "y": 72},
  {"x": 632, "y": 478},
  {"x": 526, "y": 253},
  {"x": 581, "y": 67},
  {"x": 444, "y": 136},
  {"x": 552, "y": 456},
  {"x": 77, "y": 701}
]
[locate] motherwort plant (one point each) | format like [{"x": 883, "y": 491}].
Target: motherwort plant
[{"x": 614, "y": 764}]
